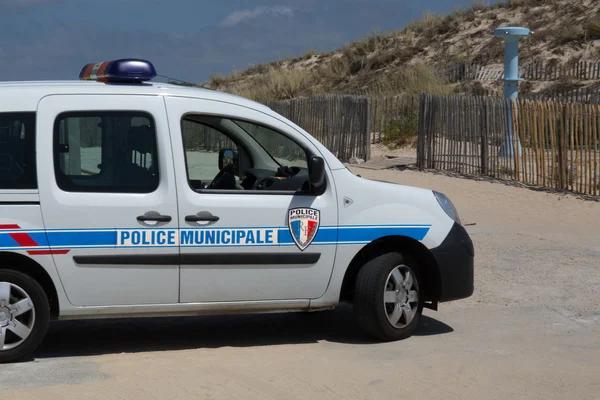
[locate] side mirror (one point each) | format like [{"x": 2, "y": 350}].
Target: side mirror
[
  {"x": 316, "y": 172},
  {"x": 226, "y": 157}
]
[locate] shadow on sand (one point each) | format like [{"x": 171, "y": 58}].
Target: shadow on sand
[{"x": 98, "y": 337}]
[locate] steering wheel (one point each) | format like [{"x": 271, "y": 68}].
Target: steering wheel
[
  {"x": 225, "y": 179},
  {"x": 264, "y": 183}
]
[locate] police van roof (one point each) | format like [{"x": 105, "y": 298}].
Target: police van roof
[
  {"x": 122, "y": 76},
  {"x": 25, "y": 95}
]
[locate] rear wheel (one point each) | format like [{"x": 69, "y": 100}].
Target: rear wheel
[
  {"x": 387, "y": 299},
  {"x": 24, "y": 315}
]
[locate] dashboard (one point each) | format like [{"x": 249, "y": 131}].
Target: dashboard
[{"x": 285, "y": 178}]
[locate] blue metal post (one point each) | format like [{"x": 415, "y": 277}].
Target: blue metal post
[{"x": 511, "y": 37}]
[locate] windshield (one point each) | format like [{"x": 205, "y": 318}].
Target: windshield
[{"x": 283, "y": 150}]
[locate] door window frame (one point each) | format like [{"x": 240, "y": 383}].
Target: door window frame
[
  {"x": 99, "y": 113},
  {"x": 308, "y": 152},
  {"x": 31, "y": 183},
  {"x": 187, "y": 170}
]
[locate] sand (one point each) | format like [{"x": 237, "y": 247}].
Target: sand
[
  {"x": 519, "y": 228},
  {"x": 530, "y": 331}
]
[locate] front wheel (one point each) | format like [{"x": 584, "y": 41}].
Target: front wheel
[
  {"x": 24, "y": 315},
  {"x": 387, "y": 298}
]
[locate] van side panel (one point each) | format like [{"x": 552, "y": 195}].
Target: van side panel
[
  {"x": 22, "y": 232},
  {"x": 381, "y": 209},
  {"x": 21, "y": 224}
]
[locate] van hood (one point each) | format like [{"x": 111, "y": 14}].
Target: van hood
[{"x": 366, "y": 201}]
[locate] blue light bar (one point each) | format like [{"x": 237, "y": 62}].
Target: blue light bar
[{"x": 123, "y": 70}]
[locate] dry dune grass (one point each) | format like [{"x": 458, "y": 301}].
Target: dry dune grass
[
  {"x": 289, "y": 83},
  {"x": 409, "y": 60}
]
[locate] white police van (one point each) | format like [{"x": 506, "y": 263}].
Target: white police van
[{"x": 122, "y": 197}]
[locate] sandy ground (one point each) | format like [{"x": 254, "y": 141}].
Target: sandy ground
[
  {"x": 381, "y": 152},
  {"x": 530, "y": 331}
]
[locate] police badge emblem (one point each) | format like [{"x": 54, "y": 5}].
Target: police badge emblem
[{"x": 303, "y": 224}]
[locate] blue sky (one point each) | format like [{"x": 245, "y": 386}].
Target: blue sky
[{"x": 186, "y": 39}]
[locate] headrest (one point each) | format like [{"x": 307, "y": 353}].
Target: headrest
[{"x": 141, "y": 139}]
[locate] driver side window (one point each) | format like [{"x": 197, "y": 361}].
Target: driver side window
[
  {"x": 283, "y": 149},
  {"x": 203, "y": 145},
  {"x": 235, "y": 155}
]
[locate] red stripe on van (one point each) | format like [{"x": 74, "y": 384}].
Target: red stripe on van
[
  {"x": 23, "y": 239},
  {"x": 46, "y": 252},
  {"x": 10, "y": 226}
]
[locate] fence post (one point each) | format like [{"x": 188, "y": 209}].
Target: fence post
[
  {"x": 561, "y": 132},
  {"x": 368, "y": 128},
  {"x": 484, "y": 137},
  {"x": 421, "y": 131},
  {"x": 430, "y": 133}
]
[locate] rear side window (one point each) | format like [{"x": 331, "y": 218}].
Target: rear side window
[
  {"x": 17, "y": 151},
  {"x": 106, "y": 152}
]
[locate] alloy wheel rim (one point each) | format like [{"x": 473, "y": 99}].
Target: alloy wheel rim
[
  {"x": 401, "y": 297},
  {"x": 17, "y": 316}
]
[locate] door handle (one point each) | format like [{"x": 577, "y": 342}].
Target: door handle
[
  {"x": 155, "y": 217},
  {"x": 201, "y": 217}
]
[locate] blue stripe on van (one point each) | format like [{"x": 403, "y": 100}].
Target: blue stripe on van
[
  {"x": 7, "y": 241},
  {"x": 370, "y": 234},
  {"x": 326, "y": 235},
  {"x": 358, "y": 234},
  {"x": 82, "y": 238}
]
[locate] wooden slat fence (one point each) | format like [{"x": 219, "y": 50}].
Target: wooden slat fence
[
  {"x": 340, "y": 122},
  {"x": 560, "y": 144},
  {"x": 394, "y": 118},
  {"x": 462, "y": 134},
  {"x": 588, "y": 95},
  {"x": 490, "y": 74},
  {"x": 560, "y": 141},
  {"x": 471, "y": 72},
  {"x": 533, "y": 71},
  {"x": 199, "y": 137},
  {"x": 544, "y": 71},
  {"x": 460, "y": 72}
]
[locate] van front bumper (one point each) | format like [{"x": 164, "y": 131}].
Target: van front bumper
[{"x": 455, "y": 259}]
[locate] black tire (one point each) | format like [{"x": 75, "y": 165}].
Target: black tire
[
  {"x": 369, "y": 305},
  {"x": 41, "y": 319}
]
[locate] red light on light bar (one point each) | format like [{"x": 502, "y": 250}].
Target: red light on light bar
[
  {"x": 125, "y": 70},
  {"x": 94, "y": 72}
]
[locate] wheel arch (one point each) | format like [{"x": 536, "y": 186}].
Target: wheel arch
[
  {"x": 21, "y": 263},
  {"x": 429, "y": 270}
]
